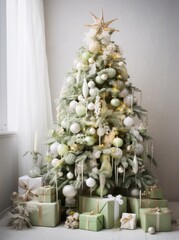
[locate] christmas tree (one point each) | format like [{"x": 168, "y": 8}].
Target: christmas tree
[{"x": 99, "y": 141}]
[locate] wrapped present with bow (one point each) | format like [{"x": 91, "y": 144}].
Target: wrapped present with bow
[
  {"x": 45, "y": 214},
  {"x": 154, "y": 192},
  {"x": 159, "y": 218},
  {"x": 91, "y": 221},
  {"x": 28, "y": 187},
  {"x": 47, "y": 194},
  {"x": 128, "y": 221},
  {"x": 136, "y": 204}
]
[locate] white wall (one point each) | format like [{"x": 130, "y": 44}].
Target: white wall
[
  {"x": 8, "y": 169},
  {"x": 149, "y": 38}
]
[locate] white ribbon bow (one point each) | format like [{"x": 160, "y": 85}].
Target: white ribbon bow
[{"x": 117, "y": 201}]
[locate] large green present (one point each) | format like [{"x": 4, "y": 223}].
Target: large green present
[
  {"x": 103, "y": 206},
  {"x": 136, "y": 204},
  {"x": 159, "y": 218},
  {"x": 47, "y": 194},
  {"x": 45, "y": 214},
  {"x": 91, "y": 221}
]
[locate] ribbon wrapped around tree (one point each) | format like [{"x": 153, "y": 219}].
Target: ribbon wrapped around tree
[{"x": 117, "y": 202}]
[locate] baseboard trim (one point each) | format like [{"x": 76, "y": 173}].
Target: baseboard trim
[{"x": 5, "y": 211}]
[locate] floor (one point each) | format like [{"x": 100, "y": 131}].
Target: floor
[{"x": 61, "y": 233}]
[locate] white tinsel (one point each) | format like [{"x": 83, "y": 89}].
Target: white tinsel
[{"x": 97, "y": 109}]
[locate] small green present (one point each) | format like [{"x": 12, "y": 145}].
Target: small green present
[
  {"x": 91, "y": 221},
  {"x": 45, "y": 214},
  {"x": 47, "y": 194},
  {"x": 103, "y": 206},
  {"x": 135, "y": 204},
  {"x": 159, "y": 218},
  {"x": 154, "y": 192}
]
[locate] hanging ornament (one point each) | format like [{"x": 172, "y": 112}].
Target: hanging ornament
[
  {"x": 120, "y": 169},
  {"x": 94, "y": 46},
  {"x": 91, "y": 84},
  {"x": 73, "y": 104},
  {"x": 91, "y": 106},
  {"x": 134, "y": 192},
  {"x": 124, "y": 93},
  {"x": 139, "y": 148},
  {"x": 75, "y": 127},
  {"x": 90, "y": 140},
  {"x": 128, "y": 122},
  {"x": 53, "y": 148},
  {"x": 55, "y": 162},
  {"x": 70, "y": 175},
  {"x": 86, "y": 55},
  {"x": 117, "y": 142},
  {"x": 80, "y": 110},
  {"x": 128, "y": 100},
  {"x": 94, "y": 91},
  {"x": 104, "y": 76},
  {"x": 101, "y": 131},
  {"x": 91, "y": 60},
  {"x": 115, "y": 102},
  {"x": 99, "y": 80},
  {"x": 69, "y": 191},
  {"x": 135, "y": 164},
  {"x": 151, "y": 230},
  {"x": 70, "y": 80},
  {"x": 85, "y": 89},
  {"x": 62, "y": 149},
  {"x": 90, "y": 182},
  {"x": 70, "y": 158}
]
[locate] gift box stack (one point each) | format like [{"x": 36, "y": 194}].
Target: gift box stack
[
  {"x": 42, "y": 198},
  {"x": 152, "y": 210}
]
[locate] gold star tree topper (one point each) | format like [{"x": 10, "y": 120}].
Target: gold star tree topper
[{"x": 100, "y": 25}]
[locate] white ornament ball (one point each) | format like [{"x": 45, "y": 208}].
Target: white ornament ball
[
  {"x": 91, "y": 60},
  {"x": 120, "y": 169},
  {"x": 94, "y": 46},
  {"x": 99, "y": 80},
  {"x": 90, "y": 140},
  {"x": 70, "y": 175},
  {"x": 80, "y": 110},
  {"x": 62, "y": 149},
  {"x": 69, "y": 191},
  {"x": 70, "y": 80},
  {"x": 151, "y": 230},
  {"x": 85, "y": 55},
  {"x": 139, "y": 148},
  {"x": 129, "y": 100},
  {"x": 117, "y": 142},
  {"x": 80, "y": 98},
  {"x": 75, "y": 127},
  {"x": 135, "y": 192},
  {"x": 116, "y": 152},
  {"x": 101, "y": 131},
  {"x": 121, "y": 64},
  {"x": 91, "y": 84},
  {"x": 70, "y": 158},
  {"x": 128, "y": 122},
  {"x": 91, "y": 106},
  {"x": 73, "y": 104},
  {"x": 92, "y": 131},
  {"x": 104, "y": 76},
  {"x": 124, "y": 93},
  {"x": 94, "y": 91},
  {"x": 53, "y": 148},
  {"x": 55, "y": 162},
  {"x": 90, "y": 182},
  {"x": 115, "y": 102},
  {"x": 60, "y": 174}
]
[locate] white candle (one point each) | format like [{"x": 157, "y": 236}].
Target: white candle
[{"x": 35, "y": 142}]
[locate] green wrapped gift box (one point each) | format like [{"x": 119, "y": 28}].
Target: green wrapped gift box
[
  {"x": 154, "y": 192},
  {"x": 146, "y": 203},
  {"x": 47, "y": 194},
  {"x": 45, "y": 214},
  {"x": 90, "y": 221},
  {"x": 103, "y": 206},
  {"x": 159, "y": 218}
]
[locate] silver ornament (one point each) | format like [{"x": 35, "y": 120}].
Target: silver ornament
[
  {"x": 94, "y": 91},
  {"x": 90, "y": 182},
  {"x": 124, "y": 93},
  {"x": 73, "y": 104},
  {"x": 69, "y": 191},
  {"x": 139, "y": 148},
  {"x": 91, "y": 84},
  {"x": 134, "y": 192},
  {"x": 151, "y": 230},
  {"x": 100, "y": 131},
  {"x": 91, "y": 106},
  {"x": 70, "y": 175},
  {"x": 128, "y": 122},
  {"x": 128, "y": 100},
  {"x": 80, "y": 110},
  {"x": 104, "y": 76},
  {"x": 92, "y": 131},
  {"x": 75, "y": 127},
  {"x": 53, "y": 148},
  {"x": 120, "y": 169}
]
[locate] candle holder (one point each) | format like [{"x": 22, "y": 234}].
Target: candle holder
[{"x": 35, "y": 171}]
